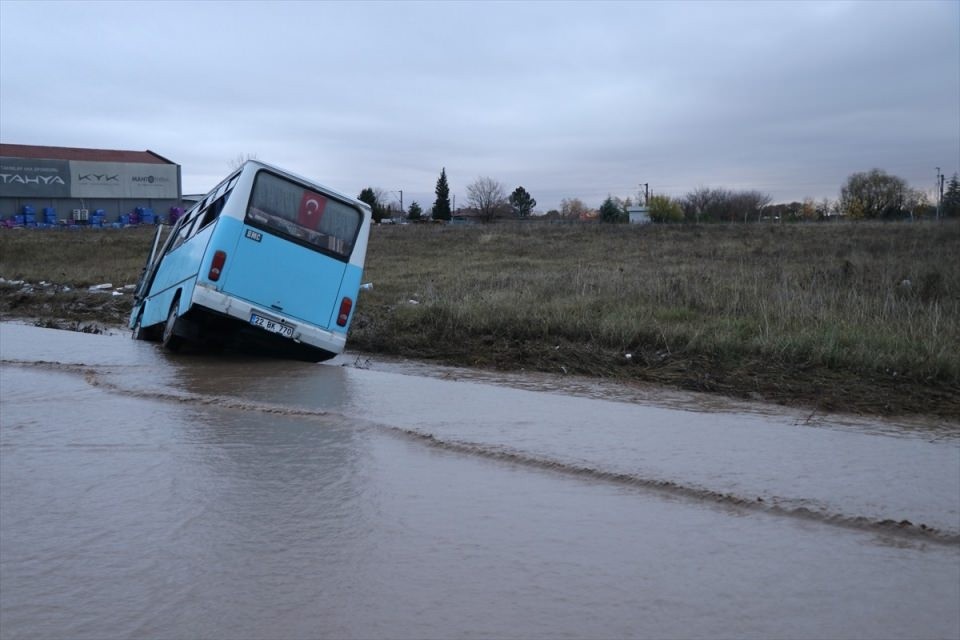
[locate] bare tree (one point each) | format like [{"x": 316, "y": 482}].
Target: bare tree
[
  {"x": 487, "y": 196},
  {"x": 722, "y": 205},
  {"x": 572, "y": 208},
  {"x": 826, "y": 209},
  {"x": 702, "y": 201},
  {"x": 750, "y": 203},
  {"x": 240, "y": 159},
  {"x": 916, "y": 203},
  {"x": 383, "y": 195}
]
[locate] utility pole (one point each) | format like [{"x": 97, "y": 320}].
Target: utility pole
[
  {"x": 939, "y": 191},
  {"x": 940, "y": 199},
  {"x": 400, "y": 191}
]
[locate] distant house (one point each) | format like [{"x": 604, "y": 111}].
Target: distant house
[{"x": 639, "y": 215}]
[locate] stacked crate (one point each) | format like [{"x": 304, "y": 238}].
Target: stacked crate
[
  {"x": 146, "y": 215},
  {"x": 28, "y": 216}
]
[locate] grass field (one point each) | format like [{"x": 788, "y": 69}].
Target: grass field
[{"x": 856, "y": 317}]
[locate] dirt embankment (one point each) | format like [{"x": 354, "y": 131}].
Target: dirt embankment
[
  {"x": 57, "y": 306},
  {"x": 883, "y": 393},
  {"x": 102, "y": 309}
]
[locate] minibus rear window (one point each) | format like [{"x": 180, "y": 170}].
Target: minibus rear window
[{"x": 289, "y": 210}]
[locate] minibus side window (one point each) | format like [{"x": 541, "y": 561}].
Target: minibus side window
[
  {"x": 202, "y": 213},
  {"x": 212, "y": 211},
  {"x": 182, "y": 229}
]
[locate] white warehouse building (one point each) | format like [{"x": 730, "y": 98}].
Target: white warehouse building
[{"x": 71, "y": 183}]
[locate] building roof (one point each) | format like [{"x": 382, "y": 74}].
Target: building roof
[{"x": 72, "y": 153}]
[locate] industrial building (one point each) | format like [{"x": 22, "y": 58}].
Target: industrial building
[{"x": 65, "y": 185}]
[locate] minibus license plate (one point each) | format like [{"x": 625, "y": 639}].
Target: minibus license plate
[{"x": 272, "y": 326}]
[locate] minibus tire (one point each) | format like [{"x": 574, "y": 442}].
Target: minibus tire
[{"x": 171, "y": 341}]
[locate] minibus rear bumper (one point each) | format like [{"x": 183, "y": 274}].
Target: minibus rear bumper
[{"x": 208, "y": 297}]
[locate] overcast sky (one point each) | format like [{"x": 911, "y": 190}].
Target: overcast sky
[{"x": 572, "y": 99}]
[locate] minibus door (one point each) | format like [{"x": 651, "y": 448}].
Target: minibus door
[{"x": 150, "y": 268}]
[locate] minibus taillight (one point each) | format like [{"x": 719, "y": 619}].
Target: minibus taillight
[
  {"x": 216, "y": 267},
  {"x": 345, "y": 305}
]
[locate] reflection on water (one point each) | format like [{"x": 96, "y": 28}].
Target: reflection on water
[
  {"x": 283, "y": 383},
  {"x": 147, "y": 495}
]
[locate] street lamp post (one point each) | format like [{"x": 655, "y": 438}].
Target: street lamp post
[
  {"x": 939, "y": 192},
  {"x": 401, "y": 201}
]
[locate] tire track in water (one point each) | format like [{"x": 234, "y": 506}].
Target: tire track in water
[
  {"x": 670, "y": 487},
  {"x": 905, "y": 528}
]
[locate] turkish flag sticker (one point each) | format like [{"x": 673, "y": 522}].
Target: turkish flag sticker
[{"x": 311, "y": 210}]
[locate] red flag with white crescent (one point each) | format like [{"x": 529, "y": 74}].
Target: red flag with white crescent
[{"x": 311, "y": 210}]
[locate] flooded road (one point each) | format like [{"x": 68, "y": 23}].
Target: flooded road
[{"x": 146, "y": 495}]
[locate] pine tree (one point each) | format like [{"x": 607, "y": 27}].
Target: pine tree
[
  {"x": 369, "y": 196},
  {"x": 522, "y": 202},
  {"x": 414, "y": 212},
  {"x": 441, "y": 208},
  {"x": 610, "y": 212},
  {"x": 951, "y": 198}
]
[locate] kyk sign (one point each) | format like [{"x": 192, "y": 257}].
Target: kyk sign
[{"x": 124, "y": 180}]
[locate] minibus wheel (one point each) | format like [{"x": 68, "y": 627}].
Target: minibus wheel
[{"x": 171, "y": 341}]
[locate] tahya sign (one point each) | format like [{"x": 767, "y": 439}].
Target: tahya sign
[{"x": 30, "y": 178}]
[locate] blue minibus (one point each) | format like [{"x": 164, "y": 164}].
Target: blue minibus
[{"x": 266, "y": 259}]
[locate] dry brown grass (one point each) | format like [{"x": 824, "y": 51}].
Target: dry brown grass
[{"x": 79, "y": 257}]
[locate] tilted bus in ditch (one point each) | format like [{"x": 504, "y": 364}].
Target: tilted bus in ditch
[{"x": 266, "y": 259}]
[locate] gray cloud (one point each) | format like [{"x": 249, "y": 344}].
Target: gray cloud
[{"x": 567, "y": 99}]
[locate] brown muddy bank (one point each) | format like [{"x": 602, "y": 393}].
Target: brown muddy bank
[
  {"x": 785, "y": 383},
  {"x": 62, "y": 307}
]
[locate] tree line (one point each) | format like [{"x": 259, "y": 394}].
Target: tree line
[{"x": 870, "y": 195}]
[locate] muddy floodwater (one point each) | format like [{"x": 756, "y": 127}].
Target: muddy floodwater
[{"x": 145, "y": 495}]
